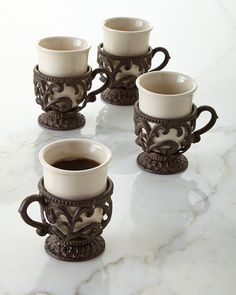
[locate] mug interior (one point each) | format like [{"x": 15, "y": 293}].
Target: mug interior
[
  {"x": 75, "y": 149},
  {"x": 63, "y": 44},
  {"x": 167, "y": 83},
  {"x": 127, "y": 24}
]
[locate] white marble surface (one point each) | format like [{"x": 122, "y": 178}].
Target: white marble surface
[{"x": 169, "y": 235}]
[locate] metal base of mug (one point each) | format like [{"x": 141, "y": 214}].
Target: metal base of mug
[
  {"x": 122, "y": 89},
  {"x": 59, "y": 217},
  {"x": 62, "y": 112},
  {"x": 62, "y": 121},
  {"x": 160, "y": 164},
  {"x": 120, "y": 96},
  {"x": 72, "y": 251}
]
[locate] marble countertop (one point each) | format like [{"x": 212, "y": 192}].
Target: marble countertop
[{"x": 169, "y": 235}]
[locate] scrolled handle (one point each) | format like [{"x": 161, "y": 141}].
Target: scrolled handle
[
  {"x": 196, "y": 136},
  {"x": 92, "y": 95},
  {"x": 166, "y": 58},
  {"x": 43, "y": 228}
]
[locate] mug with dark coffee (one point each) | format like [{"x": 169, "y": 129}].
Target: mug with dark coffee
[
  {"x": 74, "y": 197},
  {"x": 77, "y": 183}
]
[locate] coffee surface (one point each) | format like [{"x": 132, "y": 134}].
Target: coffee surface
[{"x": 75, "y": 164}]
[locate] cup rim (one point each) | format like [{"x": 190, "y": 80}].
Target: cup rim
[
  {"x": 74, "y": 172},
  {"x": 126, "y": 18},
  {"x": 194, "y": 88},
  {"x": 63, "y": 51}
]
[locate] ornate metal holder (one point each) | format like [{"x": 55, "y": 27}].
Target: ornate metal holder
[
  {"x": 63, "y": 98},
  {"x": 72, "y": 237},
  {"x": 124, "y": 71},
  {"x": 164, "y": 141}
]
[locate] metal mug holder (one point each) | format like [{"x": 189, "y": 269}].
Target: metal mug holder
[
  {"x": 59, "y": 113},
  {"x": 59, "y": 218},
  {"x": 122, "y": 89},
  {"x": 166, "y": 156}
]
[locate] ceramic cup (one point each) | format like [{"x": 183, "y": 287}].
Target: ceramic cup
[
  {"x": 126, "y": 53},
  {"x": 166, "y": 95},
  {"x": 126, "y": 36},
  {"x": 63, "y": 56},
  {"x": 62, "y": 80},
  {"x": 165, "y": 121},
  {"x": 80, "y": 184},
  {"x": 75, "y": 205}
]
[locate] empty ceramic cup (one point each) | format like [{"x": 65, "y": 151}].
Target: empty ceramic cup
[
  {"x": 126, "y": 53},
  {"x": 62, "y": 80},
  {"x": 126, "y": 36},
  {"x": 63, "y": 56},
  {"x": 166, "y": 95},
  {"x": 165, "y": 121}
]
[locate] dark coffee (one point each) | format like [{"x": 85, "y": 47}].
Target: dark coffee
[{"x": 75, "y": 164}]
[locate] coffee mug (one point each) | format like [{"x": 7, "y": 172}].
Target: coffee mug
[
  {"x": 165, "y": 94},
  {"x": 77, "y": 184},
  {"x": 74, "y": 198},
  {"x": 126, "y": 53},
  {"x": 63, "y": 56},
  {"x": 165, "y": 121},
  {"x": 126, "y": 36},
  {"x": 62, "y": 80}
]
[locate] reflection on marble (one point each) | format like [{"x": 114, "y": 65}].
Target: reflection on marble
[
  {"x": 164, "y": 202},
  {"x": 169, "y": 235}
]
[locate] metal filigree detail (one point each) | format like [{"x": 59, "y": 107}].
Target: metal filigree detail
[
  {"x": 156, "y": 163},
  {"x": 147, "y": 133},
  {"x": 123, "y": 97},
  {"x": 162, "y": 153},
  {"x": 63, "y": 98},
  {"x": 124, "y": 72},
  {"x": 72, "y": 238}
]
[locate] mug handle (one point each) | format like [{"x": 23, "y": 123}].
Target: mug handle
[
  {"x": 166, "y": 58},
  {"x": 196, "y": 136},
  {"x": 43, "y": 228},
  {"x": 92, "y": 95}
]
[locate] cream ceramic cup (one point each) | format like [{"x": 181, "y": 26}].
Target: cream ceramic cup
[
  {"x": 126, "y": 36},
  {"x": 166, "y": 95},
  {"x": 79, "y": 184},
  {"x": 63, "y": 56}
]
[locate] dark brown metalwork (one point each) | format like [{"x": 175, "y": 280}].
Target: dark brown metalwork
[
  {"x": 60, "y": 112},
  {"x": 60, "y": 217},
  {"x": 122, "y": 89},
  {"x": 166, "y": 157}
]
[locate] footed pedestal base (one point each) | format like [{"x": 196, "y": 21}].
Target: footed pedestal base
[
  {"x": 120, "y": 96},
  {"x": 62, "y": 121},
  {"x": 159, "y": 164},
  {"x": 74, "y": 251}
]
